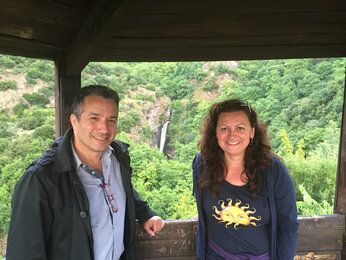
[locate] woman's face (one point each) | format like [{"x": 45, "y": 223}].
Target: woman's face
[{"x": 233, "y": 132}]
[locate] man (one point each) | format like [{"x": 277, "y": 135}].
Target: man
[{"x": 77, "y": 200}]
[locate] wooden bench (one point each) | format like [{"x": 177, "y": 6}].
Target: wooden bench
[{"x": 319, "y": 237}]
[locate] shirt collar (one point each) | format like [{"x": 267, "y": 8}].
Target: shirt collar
[{"x": 78, "y": 162}]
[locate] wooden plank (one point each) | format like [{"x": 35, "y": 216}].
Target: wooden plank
[
  {"x": 39, "y": 30},
  {"x": 225, "y": 18},
  {"x": 178, "y": 239},
  {"x": 55, "y": 12},
  {"x": 319, "y": 237},
  {"x": 190, "y": 53},
  {"x": 227, "y": 30},
  {"x": 200, "y": 6},
  {"x": 167, "y": 247},
  {"x": 18, "y": 15},
  {"x": 327, "y": 255},
  {"x": 21, "y": 47},
  {"x": 174, "y": 229},
  {"x": 236, "y": 41},
  {"x": 321, "y": 233}
]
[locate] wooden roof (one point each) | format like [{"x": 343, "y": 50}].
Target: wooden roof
[{"x": 175, "y": 30}]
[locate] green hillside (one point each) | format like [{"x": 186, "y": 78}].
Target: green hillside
[{"x": 299, "y": 100}]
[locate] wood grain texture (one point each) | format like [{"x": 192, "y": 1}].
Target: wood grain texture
[
  {"x": 319, "y": 237},
  {"x": 162, "y": 30}
]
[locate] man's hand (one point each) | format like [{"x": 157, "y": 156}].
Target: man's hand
[{"x": 153, "y": 225}]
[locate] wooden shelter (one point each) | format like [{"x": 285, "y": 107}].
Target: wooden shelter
[{"x": 73, "y": 33}]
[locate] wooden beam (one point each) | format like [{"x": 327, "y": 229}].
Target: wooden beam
[
  {"x": 196, "y": 24},
  {"x": 18, "y": 46},
  {"x": 340, "y": 194},
  {"x": 65, "y": 89},
  {"x": 236, "y": 6},
  {"x": 97, "y": 26},
  {"x": 319, "y": 237},
  {"x": 326, "y": 255},
  {"x": 177, "y": 239},
  {"x": 234, "y": 41},
  {"x": 221, "y": 53},
  {"x": 321, "y": 233}
]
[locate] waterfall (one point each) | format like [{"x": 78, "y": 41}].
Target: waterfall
[{"x": 163, "y": 136}]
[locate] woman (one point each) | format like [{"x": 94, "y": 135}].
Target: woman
[{"x": 245, "y": 197}]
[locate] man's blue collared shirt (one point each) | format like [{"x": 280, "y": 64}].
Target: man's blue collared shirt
[{"x": 107, "y": 226}]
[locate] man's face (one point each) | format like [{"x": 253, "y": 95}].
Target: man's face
[{"x": 96, "y": 127}]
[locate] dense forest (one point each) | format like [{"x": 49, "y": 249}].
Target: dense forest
[{"x": 300, "y": 101}]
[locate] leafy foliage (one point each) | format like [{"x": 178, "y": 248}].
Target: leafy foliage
[
  {"x": 129, "y": 120},
  {"x": 300, "y": 101},
  {"x": 210, "y": 85},
  {"x": 165, "y": 184},
  {"x": 39, "y": 70},
  {"x": 36, "y": 99},
  {"x": 19, "y": 109},
  {"x": 309, "y": 206},
  {"x": 8, "y": 84}
]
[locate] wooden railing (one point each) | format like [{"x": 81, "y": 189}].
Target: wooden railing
[{"x": 319, "y": 237}]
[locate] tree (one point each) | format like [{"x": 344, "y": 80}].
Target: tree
[
  {"x": 287, "y": 148},
  {"x": 36, "y": 99},
  {"x": 8, "y": 84}
]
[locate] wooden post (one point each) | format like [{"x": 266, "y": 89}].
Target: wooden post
[
  {"x": 65, "y": 89},
  {"x": 340, "y": 194}
]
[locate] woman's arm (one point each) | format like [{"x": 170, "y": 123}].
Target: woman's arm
[{"x": 287, "y": 223}]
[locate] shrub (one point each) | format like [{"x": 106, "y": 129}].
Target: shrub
[
  {"x": 29, "y": 123},
  {"x": 145, "y": 97},
  {"x": 45, "y": 132},
  {"x": 4, "y": 126},
  {"x": 7, "y": 62},
  {"x": 200, "y": 74},
  {"x": 316, "y": 174},
  {"x": 36, "y": 99},
  {"x": 103, "y": 80},
  {"x": 18, "y": 109},
  {"x": 129, "y": 120},
  {"x": 3, "y": 144},
  {"x": 5, "y": 208},
  {"x": 150, "y": 86},
  {"x": 47, "y": 91},
  {"x": 309, "y": 206},
  {"x": 146, "y": 132},
  {"x": 159, "y": 92},
  {"x": 8, "y": 84},
  {"x": 34, "y": 119},
  {"x": 222, "y": 69},
  {"x": 31, "y": 76},
  {"x": 210, "y": 85}
]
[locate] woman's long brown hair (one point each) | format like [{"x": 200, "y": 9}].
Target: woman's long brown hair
[{"x": 257, "y": 154}]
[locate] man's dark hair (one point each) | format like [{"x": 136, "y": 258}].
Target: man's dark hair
[{"x": 92, "y": 90}]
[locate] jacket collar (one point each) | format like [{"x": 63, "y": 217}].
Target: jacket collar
[{"x": 64, "y": 157}]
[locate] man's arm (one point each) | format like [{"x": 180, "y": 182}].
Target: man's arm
[
  {"x": 29, "y": 225},
  {"x": 151, "y": 222}
]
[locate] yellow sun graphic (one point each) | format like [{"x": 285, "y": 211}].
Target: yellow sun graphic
[{"x": 234, "y": 214}]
